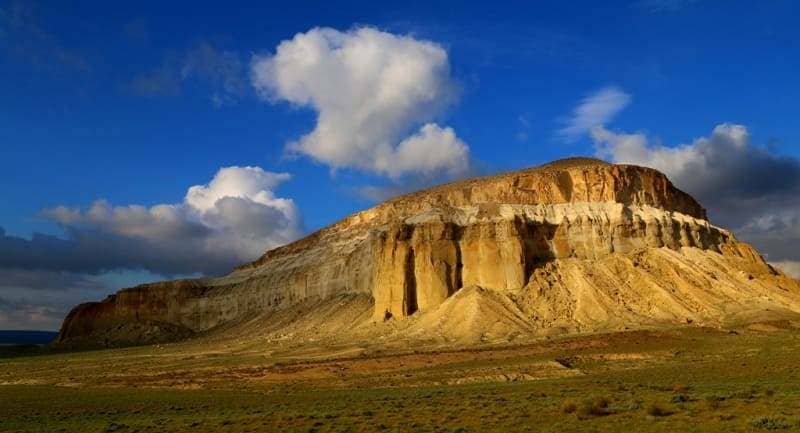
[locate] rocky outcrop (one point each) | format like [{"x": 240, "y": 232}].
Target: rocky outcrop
[
  {"x": 536, "y": 238},
  {"x": 423, "y": 260}
]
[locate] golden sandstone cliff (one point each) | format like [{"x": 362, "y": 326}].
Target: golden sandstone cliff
[{"x": 578, "y": 245}]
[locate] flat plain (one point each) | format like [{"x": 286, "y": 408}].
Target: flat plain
[{"x": 688, "y": 379}]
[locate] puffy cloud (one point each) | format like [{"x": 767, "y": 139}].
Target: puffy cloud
[
  {"x": 370, "y": 89},
  {"x": 726, "y": 160},
  {"x": 229, "y": 221},
  {"x": 239, "y": 182},
  {"x": 594, "y": 110},
  {"x": 725, "y": 169},
  {"x": 747, "y": 188},
  {"x": 430, "y": 150}
]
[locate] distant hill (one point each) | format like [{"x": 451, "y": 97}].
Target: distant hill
[{"x": 13, "y": 338}]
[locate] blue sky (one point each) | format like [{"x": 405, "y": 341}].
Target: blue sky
[{"x": 134, "y": 104}]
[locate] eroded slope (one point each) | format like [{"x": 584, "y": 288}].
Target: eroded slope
[{"x": 573, "y": 246}]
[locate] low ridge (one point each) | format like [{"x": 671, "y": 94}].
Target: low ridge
[{"x": 576, "y": 245}]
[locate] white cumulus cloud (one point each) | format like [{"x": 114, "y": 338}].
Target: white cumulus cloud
[
  {"x": 594, "y": 110},
  {"x": 233, "y": 219},
  {"x": 251, "y": 183},
  {"x": 725, "y": 161},
  {"x": 371, "y": 90}
]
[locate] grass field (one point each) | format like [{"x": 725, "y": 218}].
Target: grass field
[{"x": 684, "y": 380}]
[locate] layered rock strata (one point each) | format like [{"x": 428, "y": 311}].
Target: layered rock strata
[{"x": 517, "y": 234}]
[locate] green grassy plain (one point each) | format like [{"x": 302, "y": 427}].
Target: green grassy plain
[{"x": 683, "y": 380}]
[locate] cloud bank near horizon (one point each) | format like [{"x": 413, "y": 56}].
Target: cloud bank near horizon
[{"x": 231, "y": 220}]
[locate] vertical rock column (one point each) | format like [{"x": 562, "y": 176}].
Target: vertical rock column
[
  {"x": 437, "y": 260},
  {"x": 493, "y": 255},
  {"x": 394, "y": 285},
  {"x": 417, "y": 267}
]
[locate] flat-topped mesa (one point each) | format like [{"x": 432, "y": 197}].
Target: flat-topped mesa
[
  {"x": 414, "y": 252},
  {"x": 572, "y": 180}
]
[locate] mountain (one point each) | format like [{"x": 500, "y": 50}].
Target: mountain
[{"x": 577, "y": 245}]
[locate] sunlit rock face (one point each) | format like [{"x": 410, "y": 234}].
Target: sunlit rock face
[
  {"x": 577, "y": 244},
  {"x": 423, "y": 260}
]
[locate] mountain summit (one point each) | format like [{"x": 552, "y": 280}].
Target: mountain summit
[{"x": 577, "y": 245}]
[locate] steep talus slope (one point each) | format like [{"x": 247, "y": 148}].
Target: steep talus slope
[{"x": 573, "y": 246}]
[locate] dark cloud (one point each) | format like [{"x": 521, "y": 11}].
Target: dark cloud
[
  {"x": 229, "y": 221},
  {"x": 28, "y": 315},
  {"x": 39, "y": 279},
  {"x": 94, "y": 250},
  {"x": 39, "y": 299}
]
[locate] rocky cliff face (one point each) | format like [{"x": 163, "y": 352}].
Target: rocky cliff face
[{"x": 573, "y": 245}]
